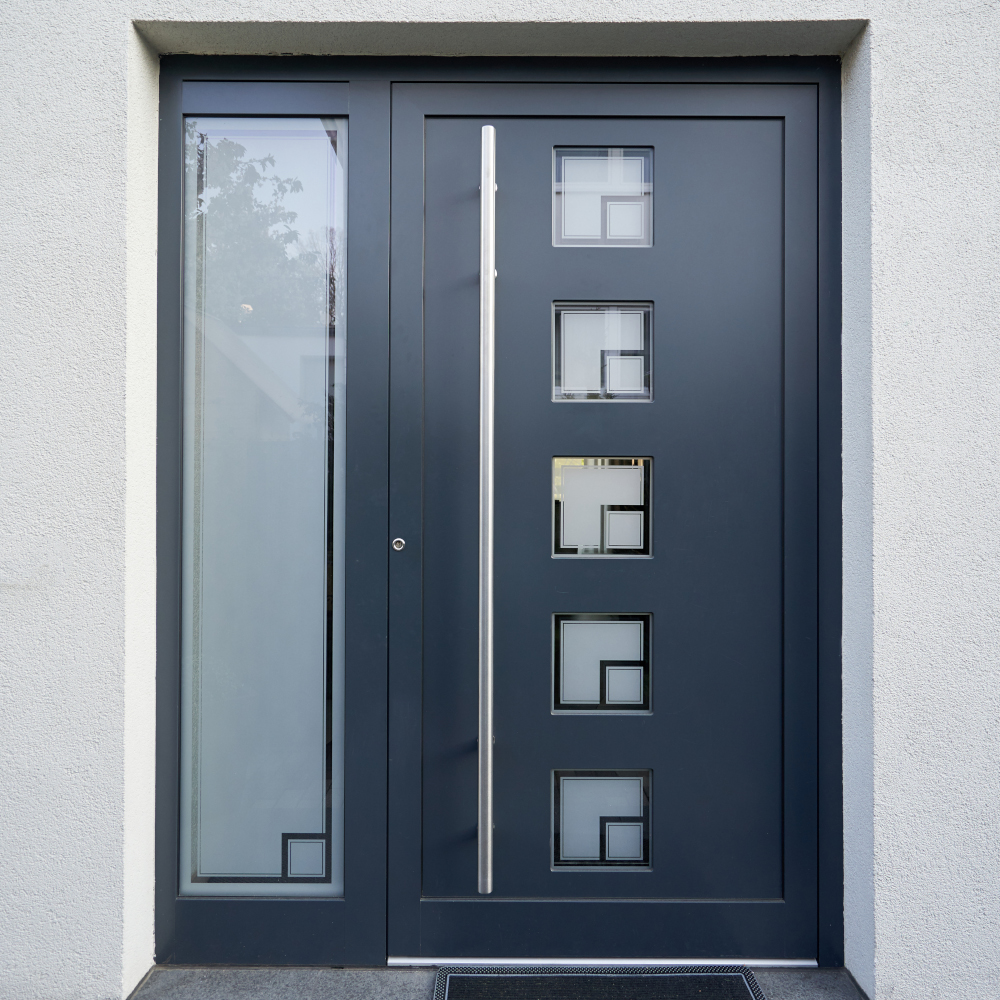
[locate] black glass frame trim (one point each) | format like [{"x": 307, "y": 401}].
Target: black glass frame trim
[
  {"x": 603, "y": 863},
  {"x": 579, "y": 708}
]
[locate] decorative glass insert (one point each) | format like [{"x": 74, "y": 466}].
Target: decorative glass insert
[
  {"x": 601, "y": 351},
  {"x": 262, "y": 659},
  {"x": 602, "y": 196},
  {"x": 601, "y": 819},
  {"x": 601, "y": 663},
  {"x": 601, "y": 506}
]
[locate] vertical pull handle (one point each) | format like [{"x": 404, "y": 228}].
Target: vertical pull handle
[{"x": 487, "y": 284}]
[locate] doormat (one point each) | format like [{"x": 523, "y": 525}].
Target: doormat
[{"x": 612, "y": 982}]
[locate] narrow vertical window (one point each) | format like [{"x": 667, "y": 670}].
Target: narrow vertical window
[{"x": 262, "y": 668}]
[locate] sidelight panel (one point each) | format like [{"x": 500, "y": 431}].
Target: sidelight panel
[{"x": 263, "y": 513}]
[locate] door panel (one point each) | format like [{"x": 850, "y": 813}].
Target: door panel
[
  {"x": 713, "y": 585},
  {"x": 726, "y": 752}
]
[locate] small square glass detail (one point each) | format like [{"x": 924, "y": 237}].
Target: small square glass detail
[
  {"x": 601, "y": 507},
  {"x": 602, "y": 196},
  {"x": 306, "y": 858},
  {"x": 601, "y": 663},
  {"x": 601, "y": 819},
  {"x": 602, "y": 351}
]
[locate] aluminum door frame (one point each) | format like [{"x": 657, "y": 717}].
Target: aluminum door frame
[{"x": 361, "y": 940}]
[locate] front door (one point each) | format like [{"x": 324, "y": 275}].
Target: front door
[
  {"x": 534, "y": 387},
  {"x": 609, "y": 571}
]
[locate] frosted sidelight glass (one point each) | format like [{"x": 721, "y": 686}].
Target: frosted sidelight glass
[
  {"x": 602, "y": 196},
  {"x": 601, "y": 662},
  {"x": 600, "y": 507},
  {"x": 601, "y": 819},
  {"x": 601, "y": 351},
  {"x": 262, "y": 664}
]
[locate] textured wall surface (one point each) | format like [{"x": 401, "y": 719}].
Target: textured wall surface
[{"x": 921, "y": 447}]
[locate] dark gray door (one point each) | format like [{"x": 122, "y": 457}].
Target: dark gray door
[{"x": 654, "y": 773}]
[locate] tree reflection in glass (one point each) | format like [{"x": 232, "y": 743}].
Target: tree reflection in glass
[{"x": 264, "y": 367}]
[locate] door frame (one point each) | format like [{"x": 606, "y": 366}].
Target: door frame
[{"x": 353, "y": 930}]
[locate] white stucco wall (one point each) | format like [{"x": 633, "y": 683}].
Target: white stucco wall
[{"x": 921, "y": 448}]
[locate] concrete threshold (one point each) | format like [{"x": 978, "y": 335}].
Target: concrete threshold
[{"x": 166, "y": 982}]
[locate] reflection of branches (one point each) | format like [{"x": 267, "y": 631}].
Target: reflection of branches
[
  {"x": 260, "y": 275},
  {"x": 324, "y": 246}
]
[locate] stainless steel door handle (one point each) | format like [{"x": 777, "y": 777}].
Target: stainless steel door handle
[{"x": 487, "y": 285}]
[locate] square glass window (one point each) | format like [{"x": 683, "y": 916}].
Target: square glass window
[
  {"x": 602, "y": 351},
  {"x": 601, "y": 507},
  {"x": 602, "y": 196},
  {"x": 601, "y": 819},
  {"x": 601, "y": 663}
]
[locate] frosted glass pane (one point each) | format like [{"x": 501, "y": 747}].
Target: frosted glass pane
[
  {"x": 584, "y": 801},
  {"x": 625, "y": 375},
  {"x": 586, "y": 490},
  {"x": 601, "y": 662},
  {"x": 601, "y": 351},
  {"x": 624, "y": 685},
  {"x": 625, "y": 220},
  {"x": 583, "y": 339},
  {"x": 601, "y": 506},
  {"x": 306, "y": 857},
  {"x": 602, "y": 196},
  {"x": 584, "y": 645},
  {"x": 263, "y": 487},
  {"x": 601, "y": 818},
  {"x": 623, "y": 529},
  {"x": 624, "y": 841},
  {"x": 585, "y": 171},
  {"x": 582, "y": 216}
]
